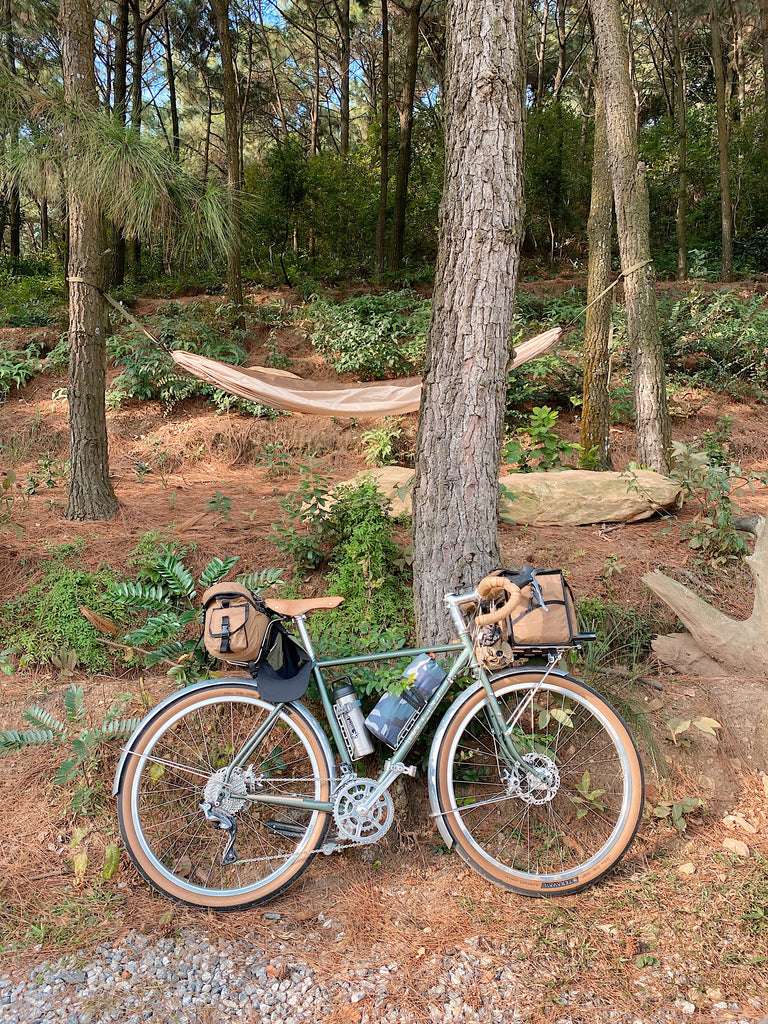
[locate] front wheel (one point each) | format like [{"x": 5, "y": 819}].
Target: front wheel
[
  {"x": 561, "y": 818},
  {"x": 178, "y": 766}
]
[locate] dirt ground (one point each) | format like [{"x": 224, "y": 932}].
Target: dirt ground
[{"x": 683, "y": 920}]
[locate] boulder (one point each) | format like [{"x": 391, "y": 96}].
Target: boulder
[{"x": 571, "y": 497}]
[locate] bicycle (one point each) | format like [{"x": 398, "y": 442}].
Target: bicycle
[{"x": 224, "y": 798}]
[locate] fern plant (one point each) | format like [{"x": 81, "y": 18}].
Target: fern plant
[
  {"x": 167, "y": 591},
  {"x": 85, "y": 743}
]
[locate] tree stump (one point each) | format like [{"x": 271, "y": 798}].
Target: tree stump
[{"x": 738, "y": 646}]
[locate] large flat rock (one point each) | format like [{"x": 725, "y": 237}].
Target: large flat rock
[{"x": 572, "y": 497}]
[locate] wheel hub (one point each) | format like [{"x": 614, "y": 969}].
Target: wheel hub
[
  {"x": 231, "y": 797},
  {"x": 539, "y": 786}
]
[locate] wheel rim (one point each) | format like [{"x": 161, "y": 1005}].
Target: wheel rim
[
  {"x": 174, "y": 773},
  {"x": 555, "y": 828}
]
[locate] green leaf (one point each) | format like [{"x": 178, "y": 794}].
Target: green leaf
[
  {"x": 177, "y": 577},
  {"x": 74, "y": 704},
  {"x": 111, "y": 861},
  {"x": 66, "y": 771},
  {"x": 216, "y": 570},
  {"x": 44, "y": 720},
  {"x": 707, "y": 725}
]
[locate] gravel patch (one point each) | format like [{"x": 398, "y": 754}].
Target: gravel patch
[{"x": 189, "y": 980}]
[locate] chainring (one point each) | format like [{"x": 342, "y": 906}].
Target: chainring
[{"x": 355, "y": 824}]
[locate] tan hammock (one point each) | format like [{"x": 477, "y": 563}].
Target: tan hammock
[{"x": 279, "y": 389}]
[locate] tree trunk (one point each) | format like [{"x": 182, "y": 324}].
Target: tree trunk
[
  {"x": 381, "y": 219},
  {"x": 120, "y": 100},
  {"x": 541, "y": 56},
  {"x": 90, "y": 491},
  {"x": 220, "y": 10},
  {"x": 170, "y": 75},
  {"x": 456, "y": 495},
  {"x": 344, "y": 26},
  {"x": 9, "y": 60},
  {"x": 740, "y": 647},
  {"x": 764, "y": 27},
  {"x": 726, "y": 214},
  {"x": 413, "y": 15},
  {"x": 630, "y": 194},
  {"x": 596, "y": 406},
  {"x": 681, "y": 218}
]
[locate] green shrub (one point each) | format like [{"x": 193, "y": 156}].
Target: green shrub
[
  {"x": 31, "y": 293},
  {"x": 18, "y": 367},
  {"x": 45, "y": 624},
  {"x": 373, "y": 336},
  {"x": 149, "y": 372},
  {"x": 536, "y": 446},
  {"x": 168, "y": 593}
]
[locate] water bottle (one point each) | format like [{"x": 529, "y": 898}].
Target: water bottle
[
  {"x": 394, "y": 714},
  {"x": 351, "y": 721}
]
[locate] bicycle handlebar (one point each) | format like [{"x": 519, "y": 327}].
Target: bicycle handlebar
[{"x": 488, "y": 586}]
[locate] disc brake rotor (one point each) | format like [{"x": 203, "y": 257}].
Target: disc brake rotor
[{"x": 539, "y": 786}]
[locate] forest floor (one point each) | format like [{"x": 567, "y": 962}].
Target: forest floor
[{"x": 681, "y": 925}]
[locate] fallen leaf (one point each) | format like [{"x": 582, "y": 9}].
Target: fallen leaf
[
  {"x": 744, "y": 825},
  {"x": 736, "y": 846},
  {"x": 687, "y": 869}
]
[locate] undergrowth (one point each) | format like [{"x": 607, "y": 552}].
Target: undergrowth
[{"x": 373, "y": 336}]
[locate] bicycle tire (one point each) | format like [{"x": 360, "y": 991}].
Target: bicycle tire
[
  {"x": 552, "y": 834},
  {"x": 174, "y": 754}
]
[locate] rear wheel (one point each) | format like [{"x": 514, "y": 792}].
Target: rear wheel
[
  {"x": 562, "y": 819},
  {"x": 179, "y": 762}
]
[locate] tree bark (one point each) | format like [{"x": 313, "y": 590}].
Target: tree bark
[
  {"x": 344, "y": 30},
  {"x": 170, "y": 75},
  {"x": 381, "y": 218},
  {"x": 456, "y": 494},
  {"x": 90, "y": 491},
  {"x": 220, "y": 10},
  {"x": 14, "y": 199},
  {"x": 596, "y": 408},
  {"x": 120, "y": 104},
  {"x": 764, "y": 28},
  {"x": 726, "y": 213},
  {"x": 630, "y": 194},
  {"x": 681, "y": 218},
  {"x": 400, "y": 198}
]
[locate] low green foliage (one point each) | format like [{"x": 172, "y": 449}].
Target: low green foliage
[
  {"x": 536, "y": 446},
  {"x": 373, "y": 336},
  {"x": 382, "y": 445},
  {"x": 82, "y": 741},
  {"x": 719, "y": 340},
  {"x": 624, "y": 632},
  {"x": 350, "y": 528},
  {"x": 12, "y": 501},
  {"x": 45, "y": 624},
  {"x": 677, "y": 812},
  {"x": 149, "y": 372},
  {"x": 31, "y": 293},
  {"x": 168, "y": 593},
  {"x": 18, "y": 367},
  {"x": 710, "y": 478}
]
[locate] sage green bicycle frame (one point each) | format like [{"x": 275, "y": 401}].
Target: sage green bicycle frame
[{"x": 465, "y": 658}]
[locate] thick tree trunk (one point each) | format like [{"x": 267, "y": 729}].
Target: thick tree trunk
[
  {"x": 456, "y": 495},
  {"x": 764, "y": 28},
  {"x": 90, "y": 491},
  {"x": 381, "y": 219},
  {"x": 726, "y": 213},
  {"x": 630, "y": 193},
  {"x": 220, "y": 10},
  {"x": 596, "y": 407},
  {"x": 397, "y": 242},
  {"x": 740, "y": 647}
]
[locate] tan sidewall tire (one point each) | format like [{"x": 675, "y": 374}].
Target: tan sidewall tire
[
  {"x": 514, "y": 881},
  {"x": 164, "y": 883}
]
